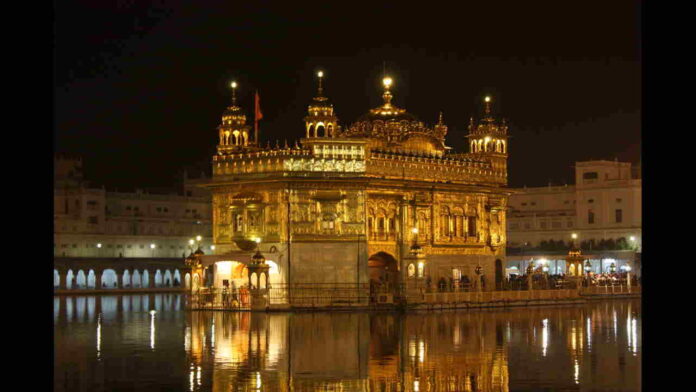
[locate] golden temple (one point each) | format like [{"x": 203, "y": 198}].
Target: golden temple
[{"x": 381, "y": 201}]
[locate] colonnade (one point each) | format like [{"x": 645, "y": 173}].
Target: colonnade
[{"x": 80, "y": 278}]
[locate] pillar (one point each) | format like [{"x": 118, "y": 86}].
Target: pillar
[
  {"x": 98, "y": 279},
  {"x": 119, "y": 277},
  {"x": 63, "y": 275}
]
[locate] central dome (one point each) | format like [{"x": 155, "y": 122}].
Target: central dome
[{"x": 392, "y": 128}]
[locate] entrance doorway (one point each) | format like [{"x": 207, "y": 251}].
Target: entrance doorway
[{"x": 384, "y": 274}]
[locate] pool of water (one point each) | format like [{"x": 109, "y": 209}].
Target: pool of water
[{"x": 149, "y": 342}]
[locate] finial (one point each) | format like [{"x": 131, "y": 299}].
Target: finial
[
  {"x": 277, "y": 144},
  {"x": 387, "y": 96},
  {"x": 439, "y": 120},
  {"x": 234, "y": 93},
  {"x": 320, "y": 74},
  {"x": 286, "y": 144},
  {"x": 487, "y": 101}
]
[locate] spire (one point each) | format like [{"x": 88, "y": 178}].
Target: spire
[
  {"x": 439, "y": 120},
  {"x": 387, "y": 96},
  {"x": 320, "y": 91},
  {"x": 487, "y": 105},
  {"x": 234, "y": 93}
]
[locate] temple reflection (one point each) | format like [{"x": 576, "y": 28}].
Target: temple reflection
[{"x": 596, "y": 346}]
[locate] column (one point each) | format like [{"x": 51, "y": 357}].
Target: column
[
  {"x": 119, "y": 279},
  {"x": 63, "y": 275},
  {"x": 98, "y": 279}
]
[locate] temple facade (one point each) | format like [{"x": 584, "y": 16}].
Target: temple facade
[{"x": 381, "y": 202}]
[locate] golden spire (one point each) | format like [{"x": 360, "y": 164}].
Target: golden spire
[
  {"x": 234, "y": 93},
  {"x": 487, "y": 101},
  {"x": 440, "y": 120},
  {"x": 387, "y": 96},
  {"x": 320, "y": 74}
]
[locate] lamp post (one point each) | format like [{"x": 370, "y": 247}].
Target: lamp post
[
  {"x": 530, "y": 272},
  {"x": 153, "y": 246},
  {"x": 588, "y": 267},
  {"x": 627, "y": 269}
]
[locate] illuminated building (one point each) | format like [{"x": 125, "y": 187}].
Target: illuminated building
[
  {"x": 603, "y": 210},
  {"x": 97, "y": 223},
  {"x": 341, "y": 204}
]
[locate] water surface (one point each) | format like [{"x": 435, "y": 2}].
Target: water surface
[{"x": 107, "y": 343}]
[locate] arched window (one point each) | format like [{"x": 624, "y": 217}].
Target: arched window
[
  {"x": 320, "y": 130},
  {"x": 445, "y": 221},
  {"x": 472, "y": 226},
  {"x": 310, "y": 132}
]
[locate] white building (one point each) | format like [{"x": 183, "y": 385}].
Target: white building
[
  {"x": 93, "y": 222},
  {"x": 603, "y": 209}
]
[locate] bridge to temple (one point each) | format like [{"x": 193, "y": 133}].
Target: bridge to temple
[{"x": 74, "y": 274}]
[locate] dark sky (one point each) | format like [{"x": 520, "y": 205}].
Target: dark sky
[{"x": 140, "y": 86}]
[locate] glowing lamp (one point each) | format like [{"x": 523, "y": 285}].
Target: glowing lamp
[
  {"x": 234, "y": 84},
  {"x": 487, "y": 99},
  {"x": 387, "y": 82},
  {"x": 320, "y": 74},
  {"x": 414, "y": 230},
  {"x": 152, "y": 246},
  {"x": 574, "y": 236},
  {"x": 198, "y": 238},
  {"x": 99, "y": 245}
]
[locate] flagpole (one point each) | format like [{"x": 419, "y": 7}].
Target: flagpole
[{"x": 256, "y": 120}]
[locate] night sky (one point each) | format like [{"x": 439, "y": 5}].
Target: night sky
[{"x": 140, "y": 86}]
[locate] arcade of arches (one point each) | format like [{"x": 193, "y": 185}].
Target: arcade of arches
[{"x": 119, "y": 274}]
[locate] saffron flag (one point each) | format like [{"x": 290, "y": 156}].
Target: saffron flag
[{"x": 257, "y": 116}]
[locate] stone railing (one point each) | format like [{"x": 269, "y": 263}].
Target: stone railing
[
  {"x": 610, "y": 290},
  {"x": 491, "y": 296}
]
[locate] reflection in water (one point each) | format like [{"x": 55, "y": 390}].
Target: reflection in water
[{"x": 496, "y": 350}]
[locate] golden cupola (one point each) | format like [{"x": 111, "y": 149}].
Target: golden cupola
[
  {"x": 392, "y": 128},
  {"x": 320, "y": 120},
  {"x": 234, "y": 131},
  {"x": 488, "y": 135}
]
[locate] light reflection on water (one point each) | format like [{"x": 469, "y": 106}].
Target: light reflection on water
[{"x": 115, "y": 342}]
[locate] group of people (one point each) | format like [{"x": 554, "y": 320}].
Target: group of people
[{"x": 610, "y": 279}]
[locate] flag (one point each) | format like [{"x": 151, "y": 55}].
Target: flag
[{"x": 257, "y": 116}]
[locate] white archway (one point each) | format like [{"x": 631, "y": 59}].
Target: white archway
[
  {"x": 176, "y": 282},
  {"x": 158, "y": 278},
  {"x": 91, "y": 279},
  {"x": 187, "y": 280},
  {"x": 167, "y": 278},
  {"x": 108, "y": 280},
  {"x": 81, "y": 281},
  {"x": 136, "y": 279},
  {"x": 56, "y": 279},
  {"x": 145, "y": 279},
  {"x": 126, "y": 279},
  {"x": 69, "y": 277}
]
